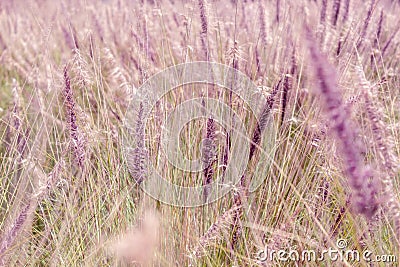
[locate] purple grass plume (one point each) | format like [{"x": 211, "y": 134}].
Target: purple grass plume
[
  {"x": 360, "y": 176},
  {"x": 209, "y": 156},
  {"x": 77, "y": 138},
  {"x": 138, "y": 157}
]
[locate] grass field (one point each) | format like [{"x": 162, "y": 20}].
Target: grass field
[{"x": 79, "y": 141}]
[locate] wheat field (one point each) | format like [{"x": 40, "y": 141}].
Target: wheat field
[{"x": 79, "y": 142}]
